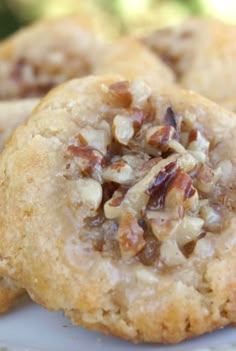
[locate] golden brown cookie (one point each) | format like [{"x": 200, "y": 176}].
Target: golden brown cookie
[
  {"x": 202, "y": 53},
  {"x": 11, "y": 115},
  {"x": 128, "y": 57},
  {"x": 10, "y": 291},
  {"x": 118, "y": 207},
  {"x": 230, "y": 103},
  {"x": 45, "y": 54}
]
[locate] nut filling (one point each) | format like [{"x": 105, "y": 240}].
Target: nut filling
[{"x": 149, "y": 188}]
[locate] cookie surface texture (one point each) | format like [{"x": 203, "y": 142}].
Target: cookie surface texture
[
  {"x": 133, "y": 60},
  {"x": 45, "y": 54},
  {"x": 11, "y": 115},
  {"x": 202, "y": 54}
]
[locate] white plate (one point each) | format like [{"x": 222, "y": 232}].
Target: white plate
[{"x": 31, "y": 328}]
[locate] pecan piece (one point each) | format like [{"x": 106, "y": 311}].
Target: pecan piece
[
  {"x": 170, "y": 253},
  {"x": 126, "y": 126},
  {"x": 197, "y": 142},
  {"x": 212, "y": 219},
  {"x": 181, "y": 192},
  {"x": 189, "y": 229},
  {"x": 123, "y": 129},
  {"x": 118, "y": 172},
  {"x": 121, "y": 93},
  {"x": 207, "y": 178},
  {"x": 112, "y": 207},
  {"x": 170, "y": 119},
  {"x": 130, "y": 236},
  {"x": 137, "y": 116},
  {"x": 89, "y": 160},
  {"x": 163, "y": 224},
  {"x": 86, "y": 191},
  {"x": 97, "y": 138},
  {"x": 141, "y": 93},
  {"x": 160, "y": 137},
  {"x": 158, "y": 188},
  {"x": 187, "y": 161}
]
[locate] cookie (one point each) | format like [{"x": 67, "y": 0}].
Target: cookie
[
  {"x": 202, "y": 54},
  {"x": 11, "y": 114},
  {"x": 230, "y": 103},
  {"x": 45, "y": 54},
  {"x": 131, "y": 59},
  {"x": 10, "y": 291},
  {"x": 118, "y": 207}
]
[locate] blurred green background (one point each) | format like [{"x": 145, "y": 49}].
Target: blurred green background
[{"x": 115, "y": 17}]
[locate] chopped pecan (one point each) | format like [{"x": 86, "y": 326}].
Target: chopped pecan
[
  {"x": 207, "y": 178},
  {"x": 89, "y": 159},
  {"x": 180, "y": 192},
  {"x": 141, "y": 94},
  {"x": 188, "y": 230},
  {"x": 212, "y": 218},
  {"x": 119, "y": 172},
  {"x": 170, "y": 253},
  {"x": 88, "y": 192},
  {"x": 137, "y": 116},
  {"x": 97, "y": 138},
  {"x": 197, "y": 142},
  {"x": 112, "y": 207},
  {"x": 158, "y": 188},
  {"x": 150, "y": 163},
  {"x": 160, "y": 137},
  {"x": 130, "y": 236},
  {"x": 163, "y": 224},
  {"x": 121, "y": 91},
  {"x": 170, "y": 119},
  {"x": 123, "y": 129}
]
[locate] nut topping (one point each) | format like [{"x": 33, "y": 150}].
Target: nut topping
[
  {"x": 197, "y": 142},
  {"x": 212, "y": 218},
  {"x": 160, "y": 137},
  {"x": 180, "y": 192},
  {"x": 130, "y": 236},
  {"x": 119, "y": 172},
  {"x": 170, "y": 253},
  {"x": 147, "y": 182},
  {"x": 163, "y": 224},
  {"x": 89, "y": 160},
  {"x": 121, "y": 91},
  {"x": 189, "y": 229},
  {"x": 123, "y": 129},
  {"x": 141, "y": 92},
  {"x": 207, "y": 178},
  {"x": 88, "y": 192},
  {"x": 97, "y": 138}
]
